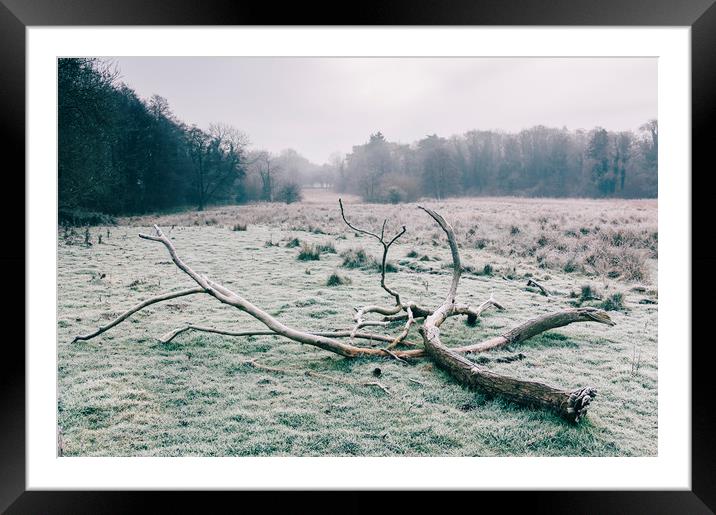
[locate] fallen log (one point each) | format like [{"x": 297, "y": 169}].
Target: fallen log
[{"x": 572, "y": 404}]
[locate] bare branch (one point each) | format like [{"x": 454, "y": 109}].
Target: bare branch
[
  {"x": 458, "y": 309},
  {"x": 168, "y": 337},
  {"x": 404, "y": 333},
  {"x": 538, "y": 325},
  {"x": 440, "y": 314},
  {"x": 360, "y": 321},
  {"x": 138, "y": 307},
  {"x": 394, "y": 355},
  {"x": 386, "y": 247},
  {"x": 362, "y": 231},
  {"x": 226, "y": 296}
]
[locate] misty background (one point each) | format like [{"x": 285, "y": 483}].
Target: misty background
[{"x": 152, "y": 133}]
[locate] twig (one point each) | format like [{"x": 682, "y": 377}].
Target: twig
[
  {"x": 311, "y": 373},
  {"x": 393, "y": 355},
  {"x": 406, "y": 329}
]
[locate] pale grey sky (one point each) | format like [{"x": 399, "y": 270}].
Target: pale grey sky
[{"x": 318, "y": 106}]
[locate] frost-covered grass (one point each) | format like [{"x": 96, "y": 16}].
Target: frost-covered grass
[{"x": 126, "y": 394}]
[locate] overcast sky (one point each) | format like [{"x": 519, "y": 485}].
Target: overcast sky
[{"x": 318, "y": 106}]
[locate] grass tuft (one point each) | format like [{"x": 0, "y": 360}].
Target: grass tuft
[
  {"x": 326, "y": 247},
  {"x": 309, "y": 252},
  {"x": 337, "y": 280},
  {"x": 615, "y": 302},
  {"x": 293, "y": 243}
]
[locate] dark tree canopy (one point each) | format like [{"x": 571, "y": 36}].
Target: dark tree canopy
[{"x": 119, "y": 154}]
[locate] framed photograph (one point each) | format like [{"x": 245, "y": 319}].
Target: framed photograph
[{"x": 419, "y": 249}]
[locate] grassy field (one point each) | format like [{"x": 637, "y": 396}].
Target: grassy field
[{"x": 126, "y": 394}]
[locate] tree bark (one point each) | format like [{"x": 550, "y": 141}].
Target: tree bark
[{"x": 570, "y": 404}]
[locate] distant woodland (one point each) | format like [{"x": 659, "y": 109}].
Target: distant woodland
[{"x": 120, "y": 154}]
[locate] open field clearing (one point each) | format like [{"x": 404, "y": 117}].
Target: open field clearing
[{"x": 125, "y": 393}]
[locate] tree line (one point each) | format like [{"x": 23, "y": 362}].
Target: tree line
[
  {"x": 120, "y": 154},
  {"x": 536, "y": 162}
]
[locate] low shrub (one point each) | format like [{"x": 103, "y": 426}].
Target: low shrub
[
  {"x": 309, "y": 253},
  {"x": 337, "y": 280},
  {"x": 357, "y": 258},
  {"x": 481, "y": 243},
  {"x": 290, "y": 193},
  {"x": 570, "y": 266},
  {"x": 80, "y": 217},
  {"x": 588, "y": 292},
  {"x": 614, "y": 302}
]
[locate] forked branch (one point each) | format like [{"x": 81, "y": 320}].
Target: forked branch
[{"x": 386, "y": 246}]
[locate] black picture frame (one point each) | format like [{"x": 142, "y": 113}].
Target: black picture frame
[{"x": 16, "y": 15}]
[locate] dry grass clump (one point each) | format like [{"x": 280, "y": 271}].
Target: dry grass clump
[
  {"x": 293, "y": 243},
  {"x": 358, "y": 258},
  {"x": 588, "y": 292},
  {"x": 237, "y": 226},
  {"x": 309, "y": 252},
  {"x": 618, "y": 262},
  {"x": 615, "y": 302},
  {"x": 355, "y": 258},
  {"x": 327, "y": 247},
  {"x": 487, "y": 269},
  {"x": 337, "y": 280}
]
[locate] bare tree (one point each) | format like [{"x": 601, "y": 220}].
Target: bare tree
[
  {"x": 218, "y": 159},
  {"x": 263, "y": 164},
  {"x": 572, "y": 404}
]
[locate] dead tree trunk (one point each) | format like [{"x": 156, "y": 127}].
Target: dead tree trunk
[{"x": 571, "y": 404}]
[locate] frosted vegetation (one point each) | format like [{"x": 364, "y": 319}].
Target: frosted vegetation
[{"x": 126, "y": 394}]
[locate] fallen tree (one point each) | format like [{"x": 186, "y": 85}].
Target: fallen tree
[{"x": 572, "y": 404}]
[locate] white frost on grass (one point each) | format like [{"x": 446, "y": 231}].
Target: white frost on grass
[{"x": 126, "y": 394}]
